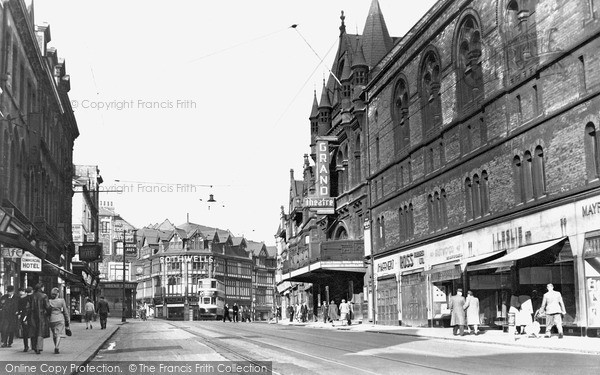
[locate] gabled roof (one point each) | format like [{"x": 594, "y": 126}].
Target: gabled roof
[
  {"x": 166, "y": 225},
  {"x": 272, "y": 251},
  {"x": 255, "y": 247}
]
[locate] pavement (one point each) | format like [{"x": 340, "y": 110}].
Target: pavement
[
  {"x": 585, "y": 345},
  {"x": 78, "y": 348}
]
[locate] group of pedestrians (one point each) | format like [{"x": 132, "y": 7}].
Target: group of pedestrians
[
  {"x": 299, "y": 312},
  {"x": 465, "y": 312},
  {"x": 34, "y": 317},
  {"x": 246, "y": 313},
  {"x": 331, "y": 313}
]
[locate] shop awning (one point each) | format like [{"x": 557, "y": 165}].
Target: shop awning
[
  {"x": 17, "y": 240},
  {"x": 444, "y": 272},
  {"x": 520, "y": 253},
  {"x": 440, "y": 267},
  {"x": 473, "y": 261}
]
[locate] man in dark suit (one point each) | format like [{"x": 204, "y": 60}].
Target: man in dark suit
[
  {"x": 103, "y": 311},
  {"x": 9, "y": 304},
  {"x": 236, "y": 310}
]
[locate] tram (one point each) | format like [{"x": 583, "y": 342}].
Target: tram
[{"x": 211, "y": 299}]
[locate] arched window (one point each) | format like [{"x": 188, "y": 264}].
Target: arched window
[
  {"x": 476, "y": 197},
  {"x": 592, "y": 151},
  {"x": 357, "y": 161},
  {"x": 485, "y": 196},
  {"x": 539, "y": 175},
  {"x": 411, "y": 221},
  {"x": 400, "y": 115},
  {"x": 341, "y": 178},
  {"x": 443, "y": 209},
  {"x": 518, "y": 180},
  {"x": 527, "y": 175},
  {"x": 436, "y": 210},
  {"x": 430, "y": 212},
  {"x": 431, "y": 105},
  {"x": 469, "y": 75},
  {"x": 402, "y": 224},
  {"x": 383, "y": 231},
  {"x": 468, "y": 198}
]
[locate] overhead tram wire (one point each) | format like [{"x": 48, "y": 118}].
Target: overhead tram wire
[
  {"x": 238, "y": 45},
  {"x": 295, "y": 27},
  {"x": 304, "y": 84}
]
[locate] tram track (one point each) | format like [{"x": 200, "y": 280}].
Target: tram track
[{"x": 250, "y": 336}]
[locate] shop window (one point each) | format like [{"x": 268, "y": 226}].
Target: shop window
[{"x": 592, "y": 151}]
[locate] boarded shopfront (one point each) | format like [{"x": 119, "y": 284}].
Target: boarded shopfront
[
  {"x": 414, "y": 299},
  {"x": 387, "y": 301}
]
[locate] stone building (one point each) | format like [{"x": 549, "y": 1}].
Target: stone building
[
  {"x": 483, "y": 161},
  {"x": 37, "y": 134},
  {"x": 469, "y": 149}
]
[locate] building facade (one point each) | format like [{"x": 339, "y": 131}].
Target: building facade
[
  {"x": 37, "y": 134},
  {"x": 322, "y": 238},
  {"x": 117, "y": 283},
  {"x": 465, "y": 154},
  {"x": 483, "y": 161},
  {"x": 173, "y": 259},
  {"x": 85, "y": 229}
]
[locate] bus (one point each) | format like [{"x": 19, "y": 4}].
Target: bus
[{"x": 211, "y": 299}]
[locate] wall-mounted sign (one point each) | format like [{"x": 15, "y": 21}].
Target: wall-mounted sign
[
  {"x": 90, "y": 252},
  {"x": 322, "y": 168},
  {"x": 319, "y": 202},
  {"x": 30, "y": 263}
]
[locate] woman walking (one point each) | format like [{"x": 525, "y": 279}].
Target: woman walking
[
  {"x": 59, "y": 319},
  {"x": 90, "y": 310},
  {"x": 39, "y": 326}
]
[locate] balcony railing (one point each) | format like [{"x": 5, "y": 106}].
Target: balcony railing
[{"x": 329, "y": 251}]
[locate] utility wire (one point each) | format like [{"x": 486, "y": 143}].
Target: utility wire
[{"x": 295, "y": 27}]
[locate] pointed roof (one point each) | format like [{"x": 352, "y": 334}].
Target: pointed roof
[
  {"x": 272, "y": 251},
  {"x": 358, "y": 59},
  {"x": 166, "y": 225},
  {"x": 325, "y": 102},
  {"x": 315, "y": 107},
  {"x": 346, "y": 71},
  {"x": 376, "y": 38}
]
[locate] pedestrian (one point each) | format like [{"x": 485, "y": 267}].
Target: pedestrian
[
  {"x": 472, "y": 309},
  {"x": 297, "y": 312},
  {"x": 325, "y": 308},
  {"x": 236, "y": 311},
  {"x": 457, "y": 320},
  {"x": 39, "y": 328},
  {"x": 554, "y": 308},
  {"x": 103, "y": 311},
  {"x": 89, "y": 312},
  {"x": 226, "y": 313},
  {"x": 514, "y": 309},
  {"x": 525, "y": 315},
  {"x": 350, "y": 315},
  {"x": 59, "y": 317},
  {"x": 24, "y": 307},
  {"x": 290, "y": 310},
  {"x": 9, "y": 305},
  {"x": 333, "y": 312},
  {"x": 344, "y": 311},
  {"x": 304, "y": 312}
]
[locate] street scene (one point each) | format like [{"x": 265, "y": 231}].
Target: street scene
[{"x": 272, "y": 187}]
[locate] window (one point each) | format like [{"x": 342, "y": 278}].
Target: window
[
  {"x": 521, "y": 35},
  {"x": 518, "y": 180},
  {"x": 443, "y": 209},
  {"x": 592, "y": 152},
  {"x": 357, "y": 166},
  {"x": 377, "y": 151},
  {"x": 468, "y": 199},
  {"x": 527, "y": 176},
  {"x": 476, "y": 197},
  {"x": 431, "y": 106},
  {"x": 470, "y": 77},
  {"x": 485, "y": 196},
  {"x": 539, "y": 177},
  {"x": 438, "y": 210},
  {"x": 400, "y": 116}
]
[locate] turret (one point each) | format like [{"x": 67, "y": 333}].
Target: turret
[
  {"x": 314, "y": 120},
  {"x": 324, "y": 112}
]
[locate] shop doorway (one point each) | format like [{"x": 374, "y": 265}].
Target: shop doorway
[
  {"x": 387, "y": 301},
  {"x": 414, "y": 300}
]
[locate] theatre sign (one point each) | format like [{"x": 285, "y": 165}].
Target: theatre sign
[{"x": 322, "y": 201}]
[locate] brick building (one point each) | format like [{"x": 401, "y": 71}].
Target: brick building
[
  {"x": 484, "y": 161},
  {"x": 472, "y": 152},
  {"x": 37, "y": 134}
]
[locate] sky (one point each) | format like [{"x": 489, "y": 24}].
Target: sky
[{"x": 177, "y": 100}]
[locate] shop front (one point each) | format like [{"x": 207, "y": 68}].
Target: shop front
[{"x": 387, "y": 290}]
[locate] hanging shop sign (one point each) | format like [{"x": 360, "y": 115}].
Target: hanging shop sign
[
  {"x": 90, "y": 252},
  {"x": 12, "y": 252},
  {"x": 30, "y": 263}
]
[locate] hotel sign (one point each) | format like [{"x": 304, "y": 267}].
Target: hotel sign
[{"x": 30, "y": 263}]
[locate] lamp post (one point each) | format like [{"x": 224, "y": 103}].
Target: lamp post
[{"x": 123, "y": 319}]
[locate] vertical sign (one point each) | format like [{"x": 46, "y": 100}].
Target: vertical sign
[{"x": 322, "y": 168}]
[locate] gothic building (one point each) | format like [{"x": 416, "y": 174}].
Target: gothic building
[
  {"x": 37, "y": 133},
  {"x": 469, "y": 149}
]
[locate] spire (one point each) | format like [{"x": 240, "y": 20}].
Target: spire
[
  {"x": 325, "y": 102},
  {"x": 315, "y": 107},
  {"x": 358, "y": 59},
  {"x": 376, "y": 38}
]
